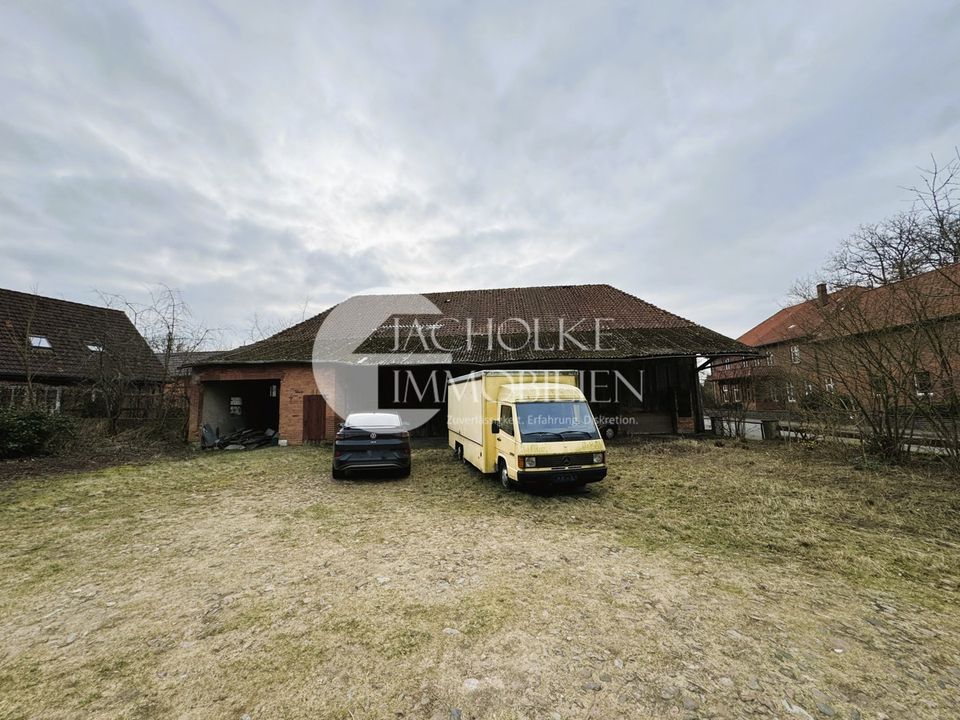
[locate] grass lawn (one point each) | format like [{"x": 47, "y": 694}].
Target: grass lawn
[{"x": 696, "y": 581}]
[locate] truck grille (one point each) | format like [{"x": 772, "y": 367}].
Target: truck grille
[{"x": 565, "y": 460}]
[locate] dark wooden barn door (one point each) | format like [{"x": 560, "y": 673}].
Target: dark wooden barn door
[{"x": 314, "y": 418}]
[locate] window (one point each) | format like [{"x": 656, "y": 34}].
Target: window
[
  {"x": 38, "y": 341},
  {"x": 828, "y": 385},
  {"x": 770, "y": 360},
  {"x": 791, "y": 396},
  {"x": 795, "y": 354},
  {"x": 554, "y": 421},
  {"x": 506, "y": 419},
  {"x": 736, "y": 393},
  {"x": 808, "y": 388},
  {"x": 921, "y": 381},
  {"x": 95, "y": 347},
  {"x": 878, "y": 385},
  {"x": 236, "y": 406},
  {"x": 273, "y": 390}
]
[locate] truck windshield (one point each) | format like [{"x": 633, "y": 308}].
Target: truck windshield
[{"x": 555, "y": 421}]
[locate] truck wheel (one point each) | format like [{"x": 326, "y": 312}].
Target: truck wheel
[{"x": 504, "y": 476}]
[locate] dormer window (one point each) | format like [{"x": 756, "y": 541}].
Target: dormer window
[
  {"x": 95, "y": 347},
  {"x": 40, "y": 342}
]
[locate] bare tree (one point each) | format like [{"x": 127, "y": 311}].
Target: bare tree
[
  {"x": 891, "y": 353},
  {"x": 881, "y": 253},
  {"x": 937, "y": 195},
  {"x": 260, "y": 328},
  {"x": 912, "y": 242},
  {"x": 167, "y": 323}
]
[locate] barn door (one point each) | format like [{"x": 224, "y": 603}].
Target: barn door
[{"x": 314, "y": 418}]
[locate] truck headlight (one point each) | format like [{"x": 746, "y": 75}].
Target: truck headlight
[
  {"x": 598, "y": 458},
  {"x": 530, "y": 461}
]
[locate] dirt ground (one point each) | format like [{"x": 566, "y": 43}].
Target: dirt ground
[{"x": 696, "y": 581}]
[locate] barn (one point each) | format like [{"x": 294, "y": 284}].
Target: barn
[{"x": 638, "y": 362}]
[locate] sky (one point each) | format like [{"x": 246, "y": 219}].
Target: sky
[{"x": 266, "y": 157}]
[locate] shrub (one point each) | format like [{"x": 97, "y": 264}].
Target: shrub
[{"x": 25, "y": 432}]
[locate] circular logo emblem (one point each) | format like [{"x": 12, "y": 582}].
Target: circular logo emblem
[
  {"x": 347, "y": 377},
  {"x": 373, "y": 436}
]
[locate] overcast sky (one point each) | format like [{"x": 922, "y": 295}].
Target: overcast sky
[{"x": 255, "y": 155}]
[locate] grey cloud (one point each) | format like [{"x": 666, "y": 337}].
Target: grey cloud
[{"x": 255, "y": 154}]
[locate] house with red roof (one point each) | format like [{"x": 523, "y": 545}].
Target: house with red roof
[{"x": 796, "y": 347}]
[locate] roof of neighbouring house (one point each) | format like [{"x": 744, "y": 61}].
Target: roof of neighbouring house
[
  {"x": 182, "y": 361},
  {"x": 83, "y": 340},
  {"x": 790, "y": 323},
  {"x": 934, "y": 294},
  {"x": 633, "y": 327}
]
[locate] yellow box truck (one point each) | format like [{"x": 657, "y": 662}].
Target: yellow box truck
[{"x": 531, "y": 427}]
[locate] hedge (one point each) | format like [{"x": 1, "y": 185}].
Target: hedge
[{"x": 25, "y": 432}]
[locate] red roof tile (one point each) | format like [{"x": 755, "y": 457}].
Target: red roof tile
[{"x": 638, "y": 328}]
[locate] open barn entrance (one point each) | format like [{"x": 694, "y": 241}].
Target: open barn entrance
[{"x": 232, "y": 405}]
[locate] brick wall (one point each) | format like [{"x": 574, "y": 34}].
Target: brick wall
[{"x": 295, "y": 382}]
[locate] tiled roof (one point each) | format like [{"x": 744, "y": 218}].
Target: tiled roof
[
  {"x": 791, "y": 323},
  {"x": 70, "y": 328},
  {"x": 633, "y": 327},
  {"x": 875, "y": 308},
  {"x": 180, "y": 362}
]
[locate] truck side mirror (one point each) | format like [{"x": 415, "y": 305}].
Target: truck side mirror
[{"x": 495, "y": 427}]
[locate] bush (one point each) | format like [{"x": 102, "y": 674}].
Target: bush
[{"x": 25, "y": 432}]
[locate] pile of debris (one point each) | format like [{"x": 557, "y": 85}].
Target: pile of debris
[{"x": 240, "y": 440}]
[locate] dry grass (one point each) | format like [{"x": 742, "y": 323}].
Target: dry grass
[{"x": 696, "y": 581}]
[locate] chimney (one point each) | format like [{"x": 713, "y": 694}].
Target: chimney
[{"x": 822, "y": 296}]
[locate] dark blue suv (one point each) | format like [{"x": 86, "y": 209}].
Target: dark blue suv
[{"x": 371, "y": 442}]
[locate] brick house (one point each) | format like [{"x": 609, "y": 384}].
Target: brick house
[
  {"x": 650, "y": 354},
  {"x": 62, "y": 349},
  {"x": 797, "y": 347}
]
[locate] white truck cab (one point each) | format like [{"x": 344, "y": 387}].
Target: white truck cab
[{"x": 530, "y": 427}]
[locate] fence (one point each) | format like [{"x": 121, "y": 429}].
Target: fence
[{"x": 747, "y": 428}]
